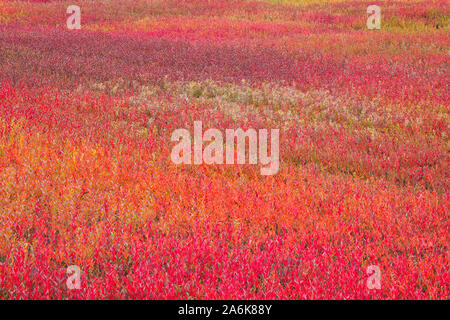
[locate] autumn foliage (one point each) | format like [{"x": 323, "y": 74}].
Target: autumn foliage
[{"x": 85, "y": 171}]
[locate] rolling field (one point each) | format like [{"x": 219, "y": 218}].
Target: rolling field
[{"x": 87, "y": 180}]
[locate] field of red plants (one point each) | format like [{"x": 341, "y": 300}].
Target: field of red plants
[{"x": 86, "y": 177}]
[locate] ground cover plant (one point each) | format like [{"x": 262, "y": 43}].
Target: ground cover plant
[{"x": 86, "y": 177}]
